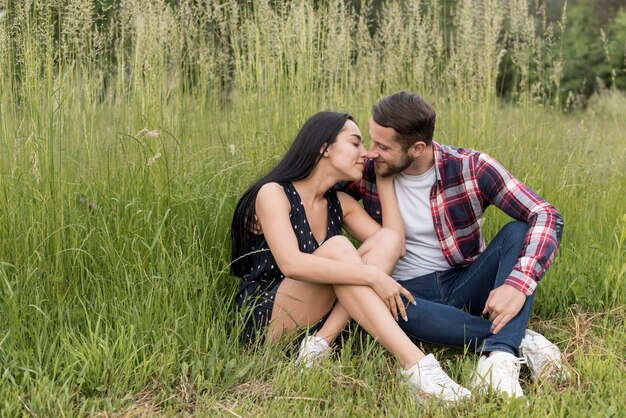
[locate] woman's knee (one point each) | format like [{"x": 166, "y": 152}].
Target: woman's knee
[
  {"x": 339, "y": 248},
  {"x": 391, "y": 241}
]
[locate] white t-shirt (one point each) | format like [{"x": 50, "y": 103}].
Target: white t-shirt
[{"x": 423, "y": 252}]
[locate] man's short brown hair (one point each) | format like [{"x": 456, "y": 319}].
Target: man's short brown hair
[{"x": 412, "y": 117}]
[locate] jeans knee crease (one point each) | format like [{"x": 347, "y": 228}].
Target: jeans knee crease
[{"x": 483, "y": 261}]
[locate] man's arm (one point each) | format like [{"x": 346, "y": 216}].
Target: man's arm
[{"x": 520, "y": 202}]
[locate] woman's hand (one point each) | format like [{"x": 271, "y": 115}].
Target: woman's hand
[
  {"x": 390, "y": 291},
  {"x": 386, "y": 181}
]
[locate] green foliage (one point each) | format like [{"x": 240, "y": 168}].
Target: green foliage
[
  {"x": 616, "y": 35},
  {"x": 594, "y": 47}
]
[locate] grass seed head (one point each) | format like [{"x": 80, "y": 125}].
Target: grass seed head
[
  {"x": 146, "y": 133},
  {"x": 153, "y": 159}
]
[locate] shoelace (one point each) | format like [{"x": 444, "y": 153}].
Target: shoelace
[
  {"x": 512, "y": 366},
  {"x": 438, "y": 375},
  {"x": 520, "y": 360}
]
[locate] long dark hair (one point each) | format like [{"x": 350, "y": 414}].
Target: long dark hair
[{"x": 301, "y": 158}]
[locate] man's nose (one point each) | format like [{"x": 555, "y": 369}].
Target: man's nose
[{"x": 372, "y": 154}]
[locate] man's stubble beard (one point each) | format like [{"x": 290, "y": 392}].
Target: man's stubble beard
[{"x": 395, "y": 169}]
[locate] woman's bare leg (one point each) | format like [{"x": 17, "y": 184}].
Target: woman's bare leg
[
  {"x": 299, "y": 303},
  {"x": 364, "y": 305},
  {"x": 369, "y": 310},
  {"x": 381, "y": 250}
]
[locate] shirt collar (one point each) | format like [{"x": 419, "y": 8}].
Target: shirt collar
[{"x": 438, "y": 160}]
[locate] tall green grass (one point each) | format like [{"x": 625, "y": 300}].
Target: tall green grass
[{"x": 115, "y": 296}]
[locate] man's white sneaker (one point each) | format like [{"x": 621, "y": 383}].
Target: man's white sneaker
[
  {"x": 429, "y": 379},
  {"x": 500, "y": 373},
  {"x": 312, "y": 349},
  {"x": 542, "y": 356}
]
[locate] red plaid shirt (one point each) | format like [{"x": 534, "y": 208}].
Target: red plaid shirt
[{"x": 467, "y": 182}]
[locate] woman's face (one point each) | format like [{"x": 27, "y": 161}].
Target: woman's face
[{"x": 347, "y": 154}]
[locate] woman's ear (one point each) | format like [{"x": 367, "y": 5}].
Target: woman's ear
[{"x": 324, "y": 149}]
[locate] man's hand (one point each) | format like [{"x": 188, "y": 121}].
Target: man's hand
[{"x": 503, "y": 304}]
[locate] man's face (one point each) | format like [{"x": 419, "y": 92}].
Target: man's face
[{"x": 388, "y": 155}]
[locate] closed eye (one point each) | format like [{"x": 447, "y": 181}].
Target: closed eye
[{"x": 380, "y": 146}]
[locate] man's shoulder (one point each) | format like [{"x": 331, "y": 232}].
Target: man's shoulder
[
  {"x": 449, "y": 152},
  {"x": 454, "y": 161}
]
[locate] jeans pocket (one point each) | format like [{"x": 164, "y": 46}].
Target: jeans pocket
[{"x": 424, "y": 287}]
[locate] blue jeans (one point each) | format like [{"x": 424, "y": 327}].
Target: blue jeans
[{"x": 450, "y": 303}]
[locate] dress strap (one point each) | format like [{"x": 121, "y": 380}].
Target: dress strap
[
  {"x": 335, "y": 213},
  {"x": 291, "y": 193}
]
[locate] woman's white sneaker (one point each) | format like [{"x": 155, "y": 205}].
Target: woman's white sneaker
[
  {"x": 429, "y": 379},
  {"x": 312, "y": 350},
  {"x": 500, "y": 373}
]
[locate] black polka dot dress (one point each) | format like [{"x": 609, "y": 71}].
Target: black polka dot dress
[{"x": 257, "y": 291}]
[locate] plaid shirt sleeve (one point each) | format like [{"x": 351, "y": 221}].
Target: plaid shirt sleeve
[
  {"x": 517, "y": 200},
  {"x": 354, "y": 189}
]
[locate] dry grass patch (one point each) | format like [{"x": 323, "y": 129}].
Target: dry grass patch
[{"x": 586, "y": 334}]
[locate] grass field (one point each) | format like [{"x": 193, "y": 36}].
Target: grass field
[{"x": 124, "y": 150}]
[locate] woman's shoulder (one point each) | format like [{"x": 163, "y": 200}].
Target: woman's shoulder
[
  {"x": 271, "y": 187},
  {"x": 272, "y": 192},
  {"x": 274, "y": 188}
]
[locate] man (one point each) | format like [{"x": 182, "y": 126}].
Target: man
[{"x": 443, "y": 192}]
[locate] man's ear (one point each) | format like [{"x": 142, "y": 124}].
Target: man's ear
[{"x": 417, "y": 149}]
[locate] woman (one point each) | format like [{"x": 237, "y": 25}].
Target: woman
[{"x": 301, "y": 270}]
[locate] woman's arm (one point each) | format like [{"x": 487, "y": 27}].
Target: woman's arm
[
  {"x": 361, "y": 226},
  {"x": 355, "y": 220},
  {"x": 272, "y": 210},
  {"x": 389, "y": 206}
]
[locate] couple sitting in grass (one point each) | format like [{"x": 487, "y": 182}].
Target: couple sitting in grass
[{"x": 422, "y": 272}]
